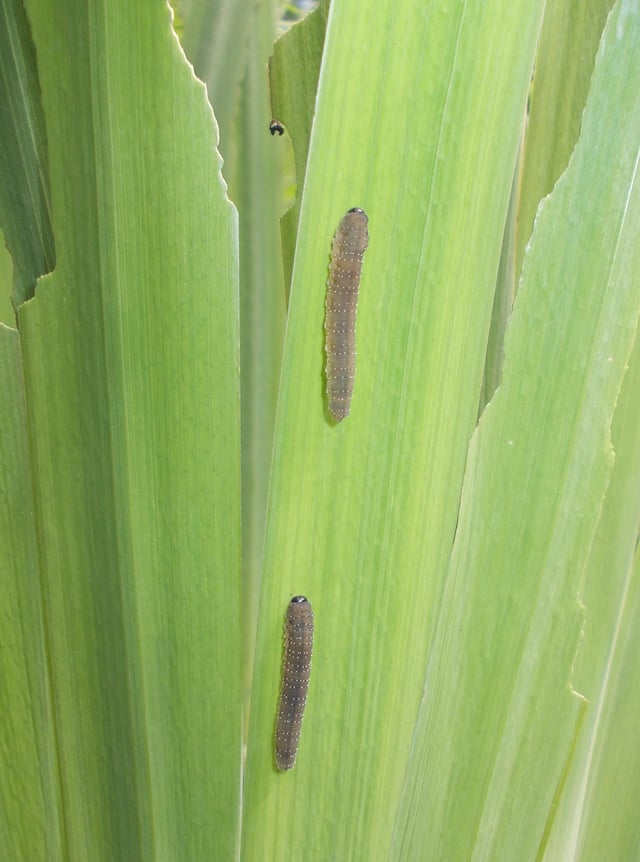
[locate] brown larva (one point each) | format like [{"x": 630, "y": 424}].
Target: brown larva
[
  {"x": 298, "y": 643},
  {"x": 349, "y": 246}
]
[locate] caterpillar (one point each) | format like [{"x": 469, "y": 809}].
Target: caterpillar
[
  {"x": 298, "y": 643},
  {"x": 349, "y": 245}
]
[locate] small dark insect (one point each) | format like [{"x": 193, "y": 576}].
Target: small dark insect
[
  {"x": 349, "y": 245},
  {"x": 276, "y": 126},
  {"x": 298, "y": 643}
]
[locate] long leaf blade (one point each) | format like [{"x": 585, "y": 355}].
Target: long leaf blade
[{"x": 131, "y": 364}]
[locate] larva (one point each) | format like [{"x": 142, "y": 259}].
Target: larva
[
  {"x": 298, "y": 643},
  {"x": 349, "y": 246}
]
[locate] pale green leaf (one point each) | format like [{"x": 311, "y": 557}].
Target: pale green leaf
[
  {"x": 502, "y": 698},
  {"x": 216, "y": 40},
  {"x": 236, "y": 86},
  {"x": 564, "y": 63},
  {"x": 262, "y": 308},
  {"x": 293, "y": 72},
  {"x": 597, "y": 810},
  {"x": 568, "y": 43}
]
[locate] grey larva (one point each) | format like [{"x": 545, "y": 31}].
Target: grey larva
[
  {"x": 349, "y": 245},
  {"x": 298, "y": 643}
]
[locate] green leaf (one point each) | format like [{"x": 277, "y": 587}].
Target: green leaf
[
  {"x": 29, "y": 814},
  {"x": 362, "y": 515},
  {"x": 25, "y": 207},
  {"x": 131, "y": 365},
  {"x": 7, "y": 313}
]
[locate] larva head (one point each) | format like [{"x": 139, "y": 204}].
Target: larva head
[
  {"x": 296, "y": 600},
  {"x": 356, "y": 210},
  {"x": 276, "y": 127}
]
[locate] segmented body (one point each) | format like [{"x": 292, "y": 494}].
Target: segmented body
[
  {"x": 298, "y": 644},
  {"x": 349, "y": 245}
]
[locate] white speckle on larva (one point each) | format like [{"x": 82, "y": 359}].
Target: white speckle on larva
[
  {"x": 298, "y": 644},
  {"x": 349, "y": 245}
]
